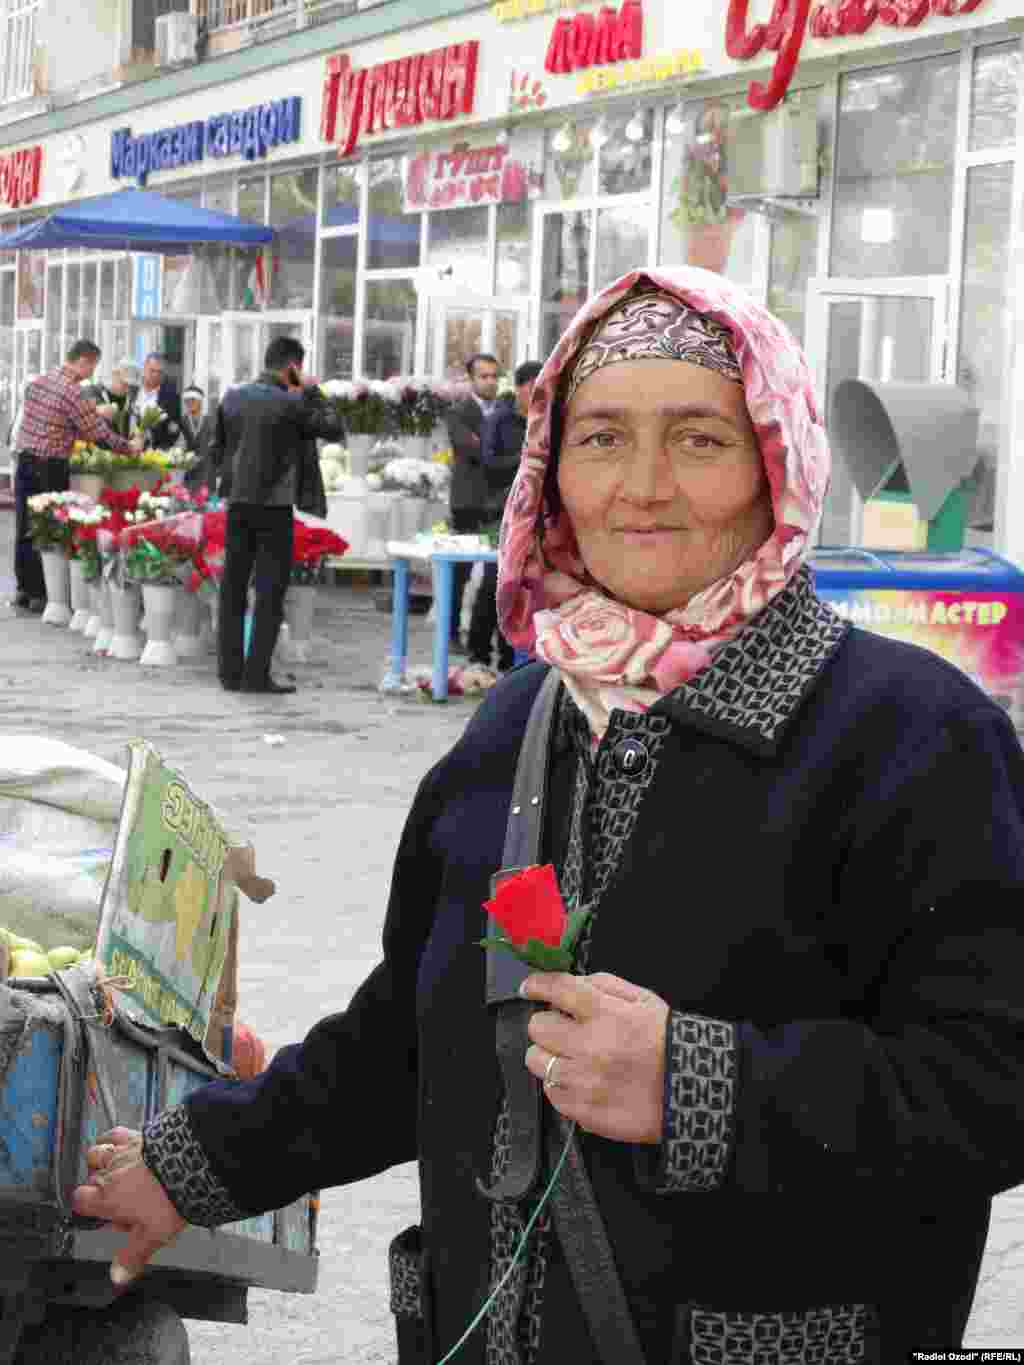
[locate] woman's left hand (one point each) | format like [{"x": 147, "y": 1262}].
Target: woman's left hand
[{"x": 609, "y": 1040}]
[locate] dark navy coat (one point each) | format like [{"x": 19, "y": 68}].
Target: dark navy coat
[{"x": 830, "y": 858}]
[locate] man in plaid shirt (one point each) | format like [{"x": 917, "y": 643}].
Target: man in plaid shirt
[{"x": 55, "y": 415}]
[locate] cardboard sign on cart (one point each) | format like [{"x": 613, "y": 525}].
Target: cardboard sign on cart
[{"x": 171, "y": 898}]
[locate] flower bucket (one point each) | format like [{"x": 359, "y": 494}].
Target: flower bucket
[
  {"x": 93, "y": 484},
  {"x": 58, "y": 588},
  {"x": 359, "y": 447},
  {"x": 431, "y": 513},
  {"x": 92, "y": 626},
  {"x": 80, "y": 598},
  {"x": 346, "y": 514},
  {"x": 208, "y": 628},
  {"x": 159, "y": 602},
  {"x": 378, "y": 524},
  {"x": 187, "y": 642},
  {"x": 126, "y": 604},
  {"x": 105, "y": 634},
  {"x": 419, "y": 447},
  {"x": 406, "y": 514},
  {"x": 141, "y": 477},
  {"x": 299, "y": 605}
]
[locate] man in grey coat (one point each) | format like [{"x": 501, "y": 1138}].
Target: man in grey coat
[{"x": 469, "y": 490}]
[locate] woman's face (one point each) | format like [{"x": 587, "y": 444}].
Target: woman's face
[{"x": 661, "y": 476}]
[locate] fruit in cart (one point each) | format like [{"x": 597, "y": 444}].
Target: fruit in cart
[
  {"x": 24, "y": 962},
  {"x": 19, "y": 944},
  {"x": 248, "y": 1053},
  {"x": 60, "y": 958}
]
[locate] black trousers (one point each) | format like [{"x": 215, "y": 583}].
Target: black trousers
[
  {"x": 483, "y": 624},
  {"x": 465, "y": 521},
  {"x": 257, "y": 545},
  {"x": 33, "y": 476}
]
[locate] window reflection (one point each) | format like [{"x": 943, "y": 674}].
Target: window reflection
[
  {"x": 337, "y": 305},
  {"x": 389, "y": 342},
  {"x": 394, "y": 236}
]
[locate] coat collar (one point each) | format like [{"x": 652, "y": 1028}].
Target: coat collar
[{"x": 758, "y": 681}]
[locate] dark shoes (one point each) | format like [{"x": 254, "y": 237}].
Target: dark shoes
[{"x": 36, "y": 605}]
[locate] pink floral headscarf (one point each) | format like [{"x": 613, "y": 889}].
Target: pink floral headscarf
[{"x": 611, "y": 655}]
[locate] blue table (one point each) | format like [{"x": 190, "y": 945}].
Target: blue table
[{"x": 443, "y": 561}]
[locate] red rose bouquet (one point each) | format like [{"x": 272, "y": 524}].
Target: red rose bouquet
[
  {"x": 313, "y": 542},
  {"x": 528, "y": 906}
]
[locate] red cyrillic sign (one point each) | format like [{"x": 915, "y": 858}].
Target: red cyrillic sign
[
  {"x": 595, "y": 40},
  {"x": 20, "y": 176},
  {"x": 400, "y": 94}
]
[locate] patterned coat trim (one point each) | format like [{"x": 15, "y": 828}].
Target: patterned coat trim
[
  {"x": 758, "y": 681},
  {"x": 700, "y": 1108},
  {"x": 405, "y": 1272},
  {"x": 835, "y": 1334},
  {"x": 175, "y": 1156}
]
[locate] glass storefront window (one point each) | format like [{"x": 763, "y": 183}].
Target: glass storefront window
[
  {"x": 252, "y": 206},
  {"x": 72, "y": 295},
  {"x": 54, "y": 309},
  {"x": 622, "y": 237},
  {"x": 214, "y": 366},
  {"x": 983, "y": 304},
  {"x": 513, "y": 252},
  {"x": 293, "y": 200},
  {"x": 994, "y": 96},
  {"x": 894, "y": 169},
  {"x": 457, "y": 241},
  {"x": 245, "y": 352},
  {"x": 624, "y": 157},
  {"x": 107, "y": 291},
  {"x": 389, "y": 329},
  {"x": 337, "y": 306},
  {"x": 393, "y": 242},
  {"x": 31, "y": 283},
  {"x": 123, "y": 308},
  {"x": 219, "y": 195},
  {"x": 87, "y": 310},
  {"x": 7, "y": 298},
  {"x": 569, "y": 161},
  {"x": 699, "y": 225},
  {"x": 794, "y": 258},
  {"x": 566, "y": 273},
  {"x": 341, "y": 196}
]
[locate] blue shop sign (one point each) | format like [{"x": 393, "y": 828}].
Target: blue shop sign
[{"x": 249, "y": 133}]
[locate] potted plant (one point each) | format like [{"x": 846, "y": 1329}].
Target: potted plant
[
  {"x": 52, "y": 529},
  {"x": 703, "y": 214},
  {"x": 369, "y": 410}
]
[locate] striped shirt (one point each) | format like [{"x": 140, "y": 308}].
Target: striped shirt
[{"x": 55, "y": 416}]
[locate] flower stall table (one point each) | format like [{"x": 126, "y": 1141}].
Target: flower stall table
[{"x": 442, "y": 558}]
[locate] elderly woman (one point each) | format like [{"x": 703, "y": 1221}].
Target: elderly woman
[{"x": 792, "y": 1047}]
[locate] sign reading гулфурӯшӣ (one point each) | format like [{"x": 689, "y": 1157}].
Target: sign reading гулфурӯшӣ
[
  {"x": 249, "y": 133},
  {"x": 468, "y": 175},
  {"x": 398, "y": 94}
]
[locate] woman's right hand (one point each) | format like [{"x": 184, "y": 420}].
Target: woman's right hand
[{"x": 122, "y": 1190}]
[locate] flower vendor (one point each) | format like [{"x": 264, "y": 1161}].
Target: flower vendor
[
  {"x": 784, "y": 859},
  {"x": 55, "y": 415}
]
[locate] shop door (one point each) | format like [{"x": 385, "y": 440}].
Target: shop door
[
  {"x": 175, "y": 341},
  {"x": 892, "y": 331},
  {"x": 460, "y": 329}
]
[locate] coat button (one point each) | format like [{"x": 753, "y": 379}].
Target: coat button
[{"x": 631, "y": 758}]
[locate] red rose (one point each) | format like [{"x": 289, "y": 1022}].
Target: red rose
[{"x": 528, "y": 904}]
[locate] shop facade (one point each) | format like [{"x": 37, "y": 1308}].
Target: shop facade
[{"x": 465, "y": 185}]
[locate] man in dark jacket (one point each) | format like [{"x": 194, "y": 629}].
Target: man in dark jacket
[
  {"x": 156, "y": 391},
  {"x": 501, "y": 445},
  {"x": 264, "y": 431},
  {"x": 468, "y": 496}
]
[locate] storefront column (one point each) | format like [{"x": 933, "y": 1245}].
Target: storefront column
[{"x": 1009, "y": 529}]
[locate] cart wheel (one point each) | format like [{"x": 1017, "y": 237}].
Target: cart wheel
[{"x": 135, "y": 1331}]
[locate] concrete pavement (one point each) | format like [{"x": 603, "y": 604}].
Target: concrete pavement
[{"x": 325, "y": 812}]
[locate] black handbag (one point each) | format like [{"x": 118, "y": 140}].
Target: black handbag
[{"x": 576, "y": 1216}]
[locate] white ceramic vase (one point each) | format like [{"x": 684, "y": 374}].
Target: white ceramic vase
[
  {"x": 187, "y": 641},
  {"x": 92, "y": 626},
  {"x": 419, "y": 447},
  {"x": 210, "y": 618},
  {"x": 159, "y": 602},
  {"x": 105, "y": 634},
  {"x": 359, "y": 447},
  {"x": 58, "y": 588},
  {"x": 299, "y": 605},
  {"x": 126, "y": 604},
  {"x": 80, "y": 598}
]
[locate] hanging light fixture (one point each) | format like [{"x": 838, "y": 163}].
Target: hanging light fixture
[
  {"x": 675, "y": 123},
  {"x": 562, "y": 140},
  {"x": 599, "y": 134},
  {"x": 636, "y": 127}
]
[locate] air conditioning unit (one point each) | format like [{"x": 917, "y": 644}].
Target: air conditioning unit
[
  {"x": 176, "y": 39},
  {"x": 776, "y": 153}
]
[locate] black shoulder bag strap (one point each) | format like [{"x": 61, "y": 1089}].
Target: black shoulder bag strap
[{"x": 577, "y": 1218}]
